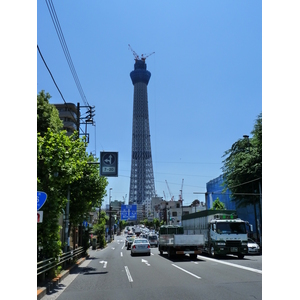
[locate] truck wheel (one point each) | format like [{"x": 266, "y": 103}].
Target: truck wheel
[
  {"x": 212, "y": 252},
  {"x": 160, "y": 251},
  {"x": 193, "y": 256},
  {"x": 240, "y": 256}
]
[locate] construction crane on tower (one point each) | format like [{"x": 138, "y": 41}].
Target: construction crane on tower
[{"x": 136, "y": 56}]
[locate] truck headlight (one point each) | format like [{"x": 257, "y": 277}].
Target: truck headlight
[{"x": 244, "y": 243}]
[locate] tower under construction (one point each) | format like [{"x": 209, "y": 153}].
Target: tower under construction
[{"x": 142, "y": 187}]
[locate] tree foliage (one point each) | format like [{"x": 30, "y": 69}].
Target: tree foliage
[
  {"x": 47, "y": 115},
  {"x": 242, "y": 167},
  {"x": 217, "y": 204},
  {"x": 63, "y": 164}
]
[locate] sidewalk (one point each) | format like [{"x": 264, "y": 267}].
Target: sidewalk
[{"x": 52, "y": 284}]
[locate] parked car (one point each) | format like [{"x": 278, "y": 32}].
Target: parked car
[
  {"x": 130, "y": 241},
  {"x": 152, "y": 238},
  {"x": 140, "y": 246},
  {"x": 253, "y": 247}
]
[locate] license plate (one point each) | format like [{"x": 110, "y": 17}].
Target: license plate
[{"x": 234, "y": 249}]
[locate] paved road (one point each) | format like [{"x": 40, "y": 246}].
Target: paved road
[{"x": 113, "y": 274}]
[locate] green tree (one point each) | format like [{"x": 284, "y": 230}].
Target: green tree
[
  {"x": 47, "y": 115},
  {"x": 99, "y": 228},
  {"x": 242, "y": 169},
  {"x": 58, "y": 166},
  {"x": 217, "y": 204}
]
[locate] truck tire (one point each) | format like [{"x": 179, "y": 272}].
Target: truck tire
[
  {"x": 193, "y": 256},
  {"x": 160, "y": 251},
  {"x": 212, "y": 252},
  {"x": 240, "y": 256}
]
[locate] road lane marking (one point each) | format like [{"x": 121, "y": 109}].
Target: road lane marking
[
  {"x": 104, "y": 263},
  {"x": 232, "y": 265},
  {"x": 186, "y": 271},
  {"x": 145, "y": 261},
  {"x": 128, "y": 274},
  {"x": 121, "y": 253}
]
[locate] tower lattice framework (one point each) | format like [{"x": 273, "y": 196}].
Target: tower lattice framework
[{"x": 142, "y": 186}]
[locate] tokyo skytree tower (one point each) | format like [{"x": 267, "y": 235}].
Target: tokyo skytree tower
[{"x": 142, "y": 187}]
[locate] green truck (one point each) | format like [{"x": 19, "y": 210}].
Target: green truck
[{"x": 224, "y": 233}]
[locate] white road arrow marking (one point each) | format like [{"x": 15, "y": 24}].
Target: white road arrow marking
[
  {"x": 146, "y": 262},
  {"x": 104, "y": 263}
]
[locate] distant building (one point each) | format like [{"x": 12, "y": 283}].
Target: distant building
[
  {"x": 171, "y": 211},
  {"x": 68, "y": 114}
]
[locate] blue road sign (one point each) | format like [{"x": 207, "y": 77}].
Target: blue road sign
[
  {"x": 128, "y": 212},
  {"x": 41, "y": 199}
]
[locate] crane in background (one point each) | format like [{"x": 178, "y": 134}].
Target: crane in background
[
  {"x": 180, "y": 196},
  {"x": 165, "y": 195},
  {"x": 124, "y": 198},
  {"x": 172, "y": 197}
]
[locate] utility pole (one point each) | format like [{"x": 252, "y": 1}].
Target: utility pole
[{"x": 110, "y": 235}]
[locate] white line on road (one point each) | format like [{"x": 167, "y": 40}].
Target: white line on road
[
  {"x": 187, "y": 271},
  {"x": 121, "y": 253},
  {"x": 128, "y": 274},
  {"x": 232, "y": 265},
  {"x": 104, "y": 263},
  {"x": 145, "y": 261}
]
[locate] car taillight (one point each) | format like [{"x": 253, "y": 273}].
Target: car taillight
[
  {"x": 148, "y": 246},
  {"x": 133, "y": 246}
]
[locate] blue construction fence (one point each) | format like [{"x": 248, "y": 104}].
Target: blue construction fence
[{"x": 214, "y": 189}]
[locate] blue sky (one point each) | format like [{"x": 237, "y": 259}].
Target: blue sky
[{"x": 205, "y": 90}]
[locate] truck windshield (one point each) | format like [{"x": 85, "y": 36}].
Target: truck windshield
[{"x": 230, "y": 227}]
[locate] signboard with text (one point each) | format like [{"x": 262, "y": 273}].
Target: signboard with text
[
  {"x": 129, "y": 212},
  {"x": 109, "y": 164}
]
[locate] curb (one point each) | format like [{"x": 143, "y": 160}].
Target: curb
[{"x": 42, "y": 291}]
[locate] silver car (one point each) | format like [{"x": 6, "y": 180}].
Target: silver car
[
  {"x": 253, "y": 248},
  {"x": 140, "y": 246}
]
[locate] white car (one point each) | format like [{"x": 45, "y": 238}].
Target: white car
[
  {"x": 140, "y": 246},
  {"x": 253, "y": 248}
]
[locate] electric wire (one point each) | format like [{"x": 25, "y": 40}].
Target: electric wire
[
  {"x": 65, "y": 49},
  {"x": 56, "y": 85}
]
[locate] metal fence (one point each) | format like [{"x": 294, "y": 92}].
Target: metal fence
[{"x": 50, "y": 263}]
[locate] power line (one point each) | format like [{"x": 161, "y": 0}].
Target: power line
[
  {"x": 56, "y": 84},
  {"x": 65, "y": 49}
]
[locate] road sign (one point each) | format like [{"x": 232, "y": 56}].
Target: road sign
[
  {"x": 41, "y": 199},
  {"x": 128, "y": 212},
  {"x": 40, "y": 216},
  {"x": 109, "y": 164}
]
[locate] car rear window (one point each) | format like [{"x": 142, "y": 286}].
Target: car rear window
[{"x": 153, "y": 237}]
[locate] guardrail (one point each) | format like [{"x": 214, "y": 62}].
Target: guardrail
[{"x": 50, "y": 263}]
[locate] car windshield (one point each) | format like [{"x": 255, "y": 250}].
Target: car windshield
[
  {"x": 231, "y": 227},
  {"x": 140, "y": 241},
  {"x": 250, "y": 241}
]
